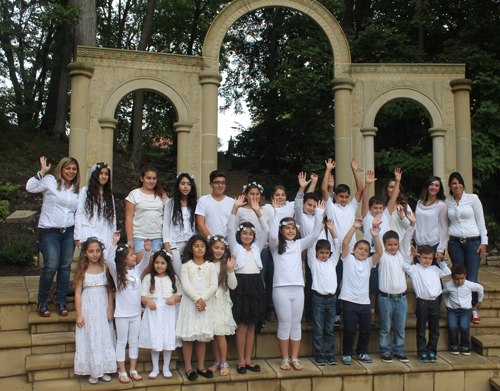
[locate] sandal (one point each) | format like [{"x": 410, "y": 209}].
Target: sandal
[
  {"x": 61, "y": 309},
  {"x": 135, "y": 375},
  {"x": 224, "y": 369},
  {"x": 297, "y": 365},
  {"x": 285, "y": 364},
  {"x": 253, "y": 367},
  {"x": 42, "y": 310},
  {"x": 215, "y": 366},
  {"x": 241, "y": 369},
  {"x": 191, "y": 375},
  {"x": 123, "y": 377}
]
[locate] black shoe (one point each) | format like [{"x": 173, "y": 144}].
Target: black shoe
[
  {"x": 466, "y": 350},
  {"x": 455, "y": 349},
  {"x": 241, "y": 369},
  {"x": 386, "y": 357},
  {"x": 423, "y": 357},
  {"x": 401, "y": 357},
  {"x": 320, "y": 361},
  {"x": 191, "y": 375},
  {"x": 206, "y": 373},
  {"x": 253, "y": 367},
  {"x": 432, "y": 357}
]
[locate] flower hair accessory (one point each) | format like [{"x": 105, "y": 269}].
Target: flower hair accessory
[
  {"x": 167, "y": 253},
  {"x": 94, "y": 239},
  {"x": 291, "y": 222},
  {"x": 189, "y": 175},
  {"x": 219, "y": 238},
  {"x": 242, "y": 227},
  {"x": 100, "y": 166},
  {"x": 254, "y": 184},
  {"x": 122, "y": 248}
]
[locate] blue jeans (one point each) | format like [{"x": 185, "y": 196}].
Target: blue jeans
[
  {"x": 392, "y": 310},
  {"x": 57, "y": 250},
  {"x": 427, "y": 312},
  {"x": 459, "y": 318},
  {"x": 156, "y": 245},
  {"x": 466, "y": 254},
  {"x": 324, "y": 308}
]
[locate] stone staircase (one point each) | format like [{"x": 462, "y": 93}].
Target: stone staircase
[{"x": 37, "y": 354}]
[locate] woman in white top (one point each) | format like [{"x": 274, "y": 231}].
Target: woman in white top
[
  {"x": 96, "y": 214},
  {"x": 432, "y": 218},
  {"x": 398, "y": 222},
  {"x": 179, "y": 219},
  {"x": 468, "y": 235},
  {"x": 144, "y": 212},
  {"x": 55, "y": 228}
]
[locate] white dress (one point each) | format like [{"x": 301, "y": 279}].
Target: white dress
[
  {"x": 158, "y": 326},
  {"x": 222, "y": 305},
  {"x": 95, "y": 341}
]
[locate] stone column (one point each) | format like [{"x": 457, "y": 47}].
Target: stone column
[
  {"x": 342, "y": 88},
  {"x": 183, "y": 130},
  {"x": 369, "y": 134},
  {"x": 80, "y": 73},
  {"x": 437, "y": 135},
  {"x": 461, "y": 93},
  {"x": 210, "y": 83},
  {"x": 108, "y": 126}
]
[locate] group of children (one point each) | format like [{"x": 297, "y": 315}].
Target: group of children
[{"x": 216, "y": 294}]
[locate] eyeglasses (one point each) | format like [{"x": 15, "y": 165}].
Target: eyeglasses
[{"x": 219, "y": 183}]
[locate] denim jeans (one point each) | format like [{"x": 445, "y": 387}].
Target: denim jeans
[
  {"x": 57, "y": 250},
  {"x": 340, "y": 272},
  {"x": 324, "y": 309},
  {"x": 427, "y": 311},
  {"x": 459, "y": 319},
  {"x": 466, "y": 254},
  {"x": 392, "y": 310},
  {"x": 354, "y": 315}
]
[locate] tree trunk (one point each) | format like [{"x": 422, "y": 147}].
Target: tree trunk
[{"x": 86, "y": 30}]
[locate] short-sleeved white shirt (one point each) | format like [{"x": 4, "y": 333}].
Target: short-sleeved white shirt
[
  {"x": 355, "y": 280},
  {"x": 148, "y": 215},
  {"x": 384, "y": 227},
  {"x": 343, "y": 219},
  {"x": 216, "y": 213}
]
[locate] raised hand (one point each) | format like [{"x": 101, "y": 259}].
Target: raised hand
[
  {"x": 376, "y": 221},
  {"x": 329, "y": 224},
  {"x": 240, "y": 201},
  {"x": 375, "y": 230},
  {"x": 414, "y": 252},
  {"x": 276, "y": 204},
  {"x": 230, "y": 263},
  {"x": 314, "y": 178},
  {"x": 370, "y": 177},
  {"x": 401, "y": 212},
  {"x": 411, "y": 217},
  {"x": 321, "y": 205},
  {"x": 303, "y": 182},
  {"x": 358, "y": 223},
  {"x": 330, "y": 164},
  {"x": 354, "y": 164},
  {"x": 116, "y": 237},
  {"x": 398, "y": 173},
  {"x": 254, "y": 204},
  {"x": 43, "y": 163}
]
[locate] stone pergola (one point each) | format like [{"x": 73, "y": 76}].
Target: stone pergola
[{"x": 102, "y": 77}]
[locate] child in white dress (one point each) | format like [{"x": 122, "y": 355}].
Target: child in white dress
[
  {"x": 94, "y": 337},
  {"x": 161, "y": 289},
  {"x": 224, "y": 323},
  {"x": 195, "y": 323}
]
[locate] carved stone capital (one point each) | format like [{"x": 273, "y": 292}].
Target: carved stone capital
[
  {"x": 369, "y": 131},
  {"x": 108, "y": 123},
  {"x": 81, "y": 69},
  {"x": 210, "y": 78},
  {"x": 461, "y": 85},
  {"x": 437, "y": 132},
  {"x": 182, "y": 127},
  {"x": 342, "y": 83}
]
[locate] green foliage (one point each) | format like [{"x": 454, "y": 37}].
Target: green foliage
[
  {"x": 4, "y": 209},
  {"x": 16, "y": 250},
  {"x": 493, "y": 230},
  {"x": 9, "y": 191}
]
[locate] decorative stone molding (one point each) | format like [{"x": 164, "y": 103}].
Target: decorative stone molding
[
  {"x": 182, "y": 127},
  {"x": 461, "y": 85},
  {"x": 210, "y": 78},
  {"x": 342, "y": 83},
  {"x": 81, "y": 69},
  {"x": 410, "y": 69},
  {"x": 437, "y": 132},
  {"x": 369, "y": 131}
]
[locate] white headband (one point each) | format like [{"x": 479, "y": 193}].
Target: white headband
[
  {"x": 290, "y": 222},
  {"x": 100, "y": 166},
  {"x": 258, "y": 186},
  {"x": 189, "y": 175},
  {"x": 242, "y": 227}
]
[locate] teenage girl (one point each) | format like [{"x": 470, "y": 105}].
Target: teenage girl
[
  {"x": 161, "y": 289},
  {"x": 144, "y": 212},
  {"x": 94, "y": 337},
  {"x": 288, "y": 285},
  {"x": 249, "y": 297},
  {"x": 398, "y": 222},
  {"x": 179, "y": 221},
  {"x": 195, "y": 324},
  {"x": 122, "y": 264},
  {"x": 224, "y": 323},
  {"x": 96, "y": 214}
]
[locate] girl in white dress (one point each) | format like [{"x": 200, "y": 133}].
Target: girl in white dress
[
  {"x": 195, "y": 324},
  {"x": 94, "y": 337},
  {"x": 224, "y": 323},
  {"x": 161, "y": 289}
]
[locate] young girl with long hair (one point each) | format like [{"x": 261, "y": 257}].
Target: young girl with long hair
[
  {"x": 96, "y": 214},
  {"x": 398, "y": 222},
  {"x": 94, "y": 337},
  {"x": 161, "y": 289},
  {"x": 122, "y": 264},
  {"x": 224, "y": 323},
  {"x": 195, "y": 323},
  {"x": 249, "y": 297},
  {"x": 179, "y": 221}
]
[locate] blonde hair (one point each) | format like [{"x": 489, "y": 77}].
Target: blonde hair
[{"x": 64, "y": 162}]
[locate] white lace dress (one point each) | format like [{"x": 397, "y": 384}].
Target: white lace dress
[
  {"x": 158, "y": 326},
  {"x": 222, "y": 305},
  {"x": 95, "y": 341}
]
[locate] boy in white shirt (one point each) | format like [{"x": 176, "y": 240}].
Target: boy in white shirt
[
  {"x": 354, "y": 291},
  {"x": 324, "y": 286},
  {"x": 426, "y": 280},
  {"x": 457, "y": 295}
]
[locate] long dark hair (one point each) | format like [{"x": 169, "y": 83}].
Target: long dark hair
[
  {"x": 121, "y": 270},
  {"x": 83, "y": 261},
  {"x": 401, "y": 200},
  {"x": 191, "y": 202},
  {"x": 170, "y": 269},
  {"x": 187, "y": 254},
  {"x": 223, "y": 260},
  {"x": 281, "y": 239},
  {"x": 94, "y": 198},
  {"x": 424, "y": 196},
  {"x": 158, "y": 191}
]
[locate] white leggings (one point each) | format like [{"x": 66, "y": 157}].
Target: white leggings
[
  {"x": 127, "y": 329},
  {"x": 177, "y": 253},
  {"x": 289, "y": 305}
]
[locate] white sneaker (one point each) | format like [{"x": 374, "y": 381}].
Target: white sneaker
[{"x": 106, "y": 378}]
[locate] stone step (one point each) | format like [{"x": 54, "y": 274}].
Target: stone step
[
  {"x": 495, "y": 383},
  {"x": 487, "y": 345}
]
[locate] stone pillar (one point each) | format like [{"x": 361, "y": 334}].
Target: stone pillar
[
  {"x": 183, "y": 130},
  {"x": 80, "y": 73},
  {"x": 461, "y": 93},
  {"x": 108, "y": 126},
  {"x": 369, "y": 134},
  {"x": 437, "y": 135},
  {"x": 210, "y": 83},
  {"x": 342, "y": 88}
]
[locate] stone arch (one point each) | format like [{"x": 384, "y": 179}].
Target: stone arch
[
  {"x": 147, "y": 84},
  {"x": 316, "y": 11}
]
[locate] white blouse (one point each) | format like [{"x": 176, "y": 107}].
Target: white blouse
[{"x": 467, "y": 217}]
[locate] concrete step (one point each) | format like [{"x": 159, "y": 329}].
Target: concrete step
[
  {"x": 495, "y": 383},
  {"x": 487, "y": 345}
]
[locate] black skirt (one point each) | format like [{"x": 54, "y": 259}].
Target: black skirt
[{"x": 249, "y": 300}]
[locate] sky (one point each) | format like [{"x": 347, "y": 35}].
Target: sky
[{"x": 228, "y": 120}]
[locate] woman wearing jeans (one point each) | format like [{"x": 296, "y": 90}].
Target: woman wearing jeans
[
  {"x": 55, "y": 227},
  {"x": 468, "y": 235}
]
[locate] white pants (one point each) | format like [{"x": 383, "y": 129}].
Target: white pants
[
  {"x": 289, "y": 306},
  {"x": 127, "y": 329},
  {"x": 178, "y": 248}
]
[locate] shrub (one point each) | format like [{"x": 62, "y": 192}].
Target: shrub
[
  {"x": 16, "y": 250},
  {"x": 4, "y": 209},
  {"x": 9, "y": 192}
]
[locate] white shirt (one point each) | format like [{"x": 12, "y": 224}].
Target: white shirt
[
  {"x": 324, "y": 275},
  {"x": 189, "y": 269},
  {"x": 343, "y": 219},
  {"x": 248, "y": 216},
  {"x": 384, "y": 227},
  {"x": 426, "y": 280},
  {"x": 173, "y": 233},
  {"x": 397, "y": 224},
  {"x": 148, "y": 215},
  {"x": 216, "y": 213},
  {"x": 467, "y": 218},
  {"x": 460, "y": 297},
  {"x": 355, "y": 280},
  {"x": 58, "y": 206},
  {"x": 128, "y": 300},
  {"x": 432, "y": 227},
  {"x": 392, "y": 278},
  {"x": 288, "y": 209}
]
